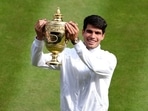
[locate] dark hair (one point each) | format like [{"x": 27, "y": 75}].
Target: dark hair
[{"x": 96, "y": 21}]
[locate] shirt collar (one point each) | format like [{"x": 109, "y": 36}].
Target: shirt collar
[{"x": 96, "y": 49}]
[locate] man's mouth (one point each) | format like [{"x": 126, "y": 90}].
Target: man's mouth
[{"x": 91, "y": 41}]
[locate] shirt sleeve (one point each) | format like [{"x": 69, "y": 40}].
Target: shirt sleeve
[
  {"x": 102, "y": 63},
  {"x": 38, "y": 58}
]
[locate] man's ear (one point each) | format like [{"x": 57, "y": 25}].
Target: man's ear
[
  {"x": 82, "y": 32},
  {"x": 103, "y": 35}
]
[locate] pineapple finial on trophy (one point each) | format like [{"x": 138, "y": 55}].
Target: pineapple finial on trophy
[{"x": 58, "y": 15}]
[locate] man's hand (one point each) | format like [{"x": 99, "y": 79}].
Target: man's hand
[
  {"x": 39, "y": 28},
  {"x": 72, "y": 31}
]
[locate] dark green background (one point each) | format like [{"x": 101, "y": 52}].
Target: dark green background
[{"x": 24, "y": 87}]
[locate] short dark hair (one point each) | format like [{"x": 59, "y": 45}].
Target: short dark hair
[{"x": 96, "y": 21}]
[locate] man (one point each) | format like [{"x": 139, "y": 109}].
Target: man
[{"x": 86, "y": 69}]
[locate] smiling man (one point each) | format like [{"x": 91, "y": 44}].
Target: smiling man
[{"x": 86, "y": 69}]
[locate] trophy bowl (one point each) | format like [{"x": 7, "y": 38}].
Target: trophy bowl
[{"x": 55, "y": 39}]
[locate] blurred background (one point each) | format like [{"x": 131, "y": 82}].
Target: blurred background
[{"x": 24, "y": 87}]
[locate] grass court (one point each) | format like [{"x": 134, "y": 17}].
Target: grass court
[{"x": 24, "y": 87}]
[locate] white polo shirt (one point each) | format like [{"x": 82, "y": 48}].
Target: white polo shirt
[{"x": 85, "y": 75}]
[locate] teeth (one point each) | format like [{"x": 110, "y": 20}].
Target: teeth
[{"x": 91, "y": 40}]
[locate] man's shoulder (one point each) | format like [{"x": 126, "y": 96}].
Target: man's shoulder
[{"x": 107, "y": 53}]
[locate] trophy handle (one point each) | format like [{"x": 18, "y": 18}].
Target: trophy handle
[{"x": 52, "y": 38}]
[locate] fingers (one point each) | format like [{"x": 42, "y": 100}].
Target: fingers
[
  {"x": 40, "y": 24},
  {"x": 72, "y": 27},
  {"x": 39, "y": 28},
  {"x": 72, "y": 30}
]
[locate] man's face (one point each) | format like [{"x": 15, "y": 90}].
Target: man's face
[{"x": 92, "y": 36}]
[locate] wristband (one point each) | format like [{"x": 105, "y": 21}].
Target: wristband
[
  {"x": 75, "y": 41},
  {"x": 39, "y": 38}
]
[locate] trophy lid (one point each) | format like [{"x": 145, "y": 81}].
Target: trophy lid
[{"x": 58, "y": 15}]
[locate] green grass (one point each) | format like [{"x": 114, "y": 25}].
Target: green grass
[{"x": 27, "y": 88}]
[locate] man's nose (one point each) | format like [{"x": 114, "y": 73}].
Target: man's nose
[{"x": 93, "y": 34}]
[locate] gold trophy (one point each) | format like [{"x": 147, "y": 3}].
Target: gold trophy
[{"x": 55, "y": 39}]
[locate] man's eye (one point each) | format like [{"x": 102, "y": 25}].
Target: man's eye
[
  {"x": 88, "y": 31},
  {"x": 97, "y": 33}
]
